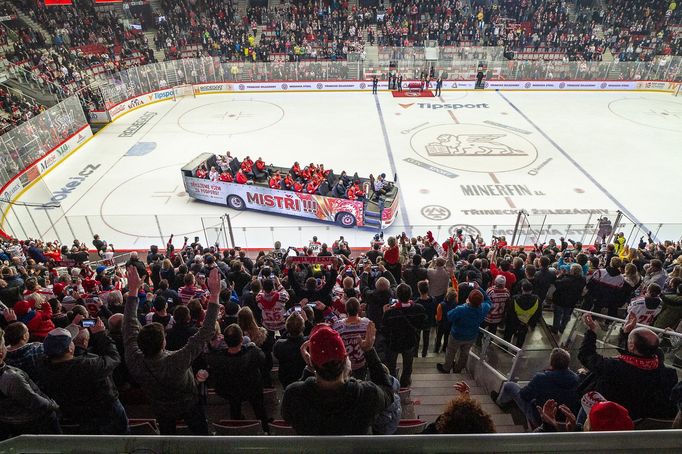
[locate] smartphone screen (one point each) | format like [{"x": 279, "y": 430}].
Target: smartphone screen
[{"x": 88, "y": 323}]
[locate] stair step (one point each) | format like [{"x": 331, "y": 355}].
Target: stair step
[{"x": 419, "y": 393}]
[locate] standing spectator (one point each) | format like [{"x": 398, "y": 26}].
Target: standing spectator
[
  {"x": 524, "y": 311},
  {"x": 465, "y": 320},
  {"x": 25, "y": 409},
  {"x": 237, "y": 370},
  {"x": 499, "y": 299},
  {"x": 544, "y": 278},
  {"x": 645, "y": 308},
  {"x": 569, "y": 290},
  {"x": 414, "y": 274},
  {"x": 36, "y": 314},
  {"x": 22, "y": 354},
  {"x": 401, "y": 324},
  {"x": 606, "y": 288},
  {"x": 288, "y": 351},
  {"x": 353, "y": 329},
  {"x": 638, "y": 380},
  {"x": 83, "y": 385},
  {"x": 439, "y": 86},
  {"x": 328, "y": 402},
  {"x": 443, "y": 324},
  {"x": 165, "y": 377},
  {"x": 429, "y": 305}
]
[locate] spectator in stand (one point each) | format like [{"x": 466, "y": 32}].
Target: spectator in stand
[
  {"x": 638, "y": 379},
  {"x": 462, "y": 415},
  {"x": 36, "y": 314},
  {"x": 83, "y": 385},
  {"x": 671, "y": 312},
  {"x": 414, "y": 274},
  {"x": 524, "y": 311},
  {"x": 568, "y": 293},
  {"x": 353, "y": 329},
  {"x": 429, "y": 305},
  {"x": 645, "y": 308},
  {"x": 500, "y": 299},
  {"x": 544, "y": 278},
  {"x": 558, "y": 383},
  {"x": 22, "y": 354},
  {"x": 237, "y": 370},
  {"x": 287, "y": 350},
  {"x": 328, "y": 402},
  {"x": 25, "y": 408},
  {"x": 443, "y": 324},
  {"x": 401, "y": 324},
  {"x": 606, "y": 288},
  {"x": 167, "y": 379},
  {"x": 465, "y": 320}
]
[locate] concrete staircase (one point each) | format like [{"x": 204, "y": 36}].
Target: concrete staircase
[
  {"x": 159, "y": 55},
  {"x": 156, "y": 7},
  {"x": 31, "y": 23},
  {"x": 242, "y": 6},
  {"x": 431, "y": 391}
]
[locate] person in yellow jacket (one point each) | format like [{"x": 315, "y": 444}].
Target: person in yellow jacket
[{"x": 619, "y": 243}]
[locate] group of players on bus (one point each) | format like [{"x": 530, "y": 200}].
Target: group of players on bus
[{"x": 311, "y": 179}]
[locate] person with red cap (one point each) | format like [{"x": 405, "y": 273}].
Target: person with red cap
[
  {"x": 328, "y": 402},
  {"x": 36, "y": 314}
]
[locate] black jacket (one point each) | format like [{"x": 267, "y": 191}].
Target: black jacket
[
  {"x": 349, "y": 410},
  {"x": 412, "y": 275},
  {"x": 543, "y": 280},
  {"x": 84, "y": 387},
  {"x": 291, "y": 363},
  {"x": 237, "y": 374},
  {"x": 642, "y": 385},
  {"x": 323, "y": 295},
  {"x": 569, "y": 290},
  {"x": 401, "y": 325},
  {"x": 178, "y": 335},
  {"x": 375, "y": 301}
]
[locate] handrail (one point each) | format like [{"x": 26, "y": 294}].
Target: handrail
[
  {"x": 499, "y": 340},
  {"x": 639, "y": 325},
  {"x": 576, "y": 442}
]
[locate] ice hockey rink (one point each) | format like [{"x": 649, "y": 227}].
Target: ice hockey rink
[{"x": 468, "y": 158}]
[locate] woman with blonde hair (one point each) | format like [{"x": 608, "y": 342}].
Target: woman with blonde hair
[
  {"x": 675, "y": 273},
  {"x": 632, "y": 279},
  {"x": 247, "y": 322}
]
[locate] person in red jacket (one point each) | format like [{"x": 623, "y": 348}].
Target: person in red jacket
[
  {"x": 260, "y": 171},
  {"x": 225, "y": 177},
  {"x": 38, "y": 321},
  {"x": 298, "y": 187},
  {"x": 296, "y": 169},
  {"x": 241, "y": 177},
  {"x": 359, "y": 193},
  {"x": 307, "y": 173},
  {"x": 247, "y": 167},
  {"x": 503, "y": 270},
  {"x": 289, "y": 182},
  {"x": 311, "y": 187},
  {"x": 202, "y": 172},
  {"x": 350, "y": 194},
  {"x": 276, "y": 181}
]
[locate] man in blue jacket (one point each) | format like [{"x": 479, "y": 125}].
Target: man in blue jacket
[
  {"x": 465, "y": 320},
  {"x": 558, "y": 383}
]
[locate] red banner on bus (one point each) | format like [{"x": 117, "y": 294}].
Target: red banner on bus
[
  {"x": 58, "y": 2},
  {"x": 108, "y": 1}
]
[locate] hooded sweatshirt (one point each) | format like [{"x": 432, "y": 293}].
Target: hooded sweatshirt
[
  {"x": 348, "y": 410},
  {"x": 560, "y": 385}
]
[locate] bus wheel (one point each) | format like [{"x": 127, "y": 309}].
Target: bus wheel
[
  {"x": 345, "y": 219},
  {"x": 235, "y": 202}
]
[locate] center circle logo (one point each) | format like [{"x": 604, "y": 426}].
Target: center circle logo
[
  {"x": 473, "y": 148},
  {"x": 435, "y": 212}
]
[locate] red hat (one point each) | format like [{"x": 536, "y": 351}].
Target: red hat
[
  {"x": 609, "y": 416},
  {"x": 475, "y": 297},
  {"x": 22, "y": 307},
  {"x": 326, "y": 345}
]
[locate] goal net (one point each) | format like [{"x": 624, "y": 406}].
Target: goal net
[{"x": 183, "y": 91}]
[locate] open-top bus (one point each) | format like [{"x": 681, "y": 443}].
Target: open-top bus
[{"x": 375, "y": 212}]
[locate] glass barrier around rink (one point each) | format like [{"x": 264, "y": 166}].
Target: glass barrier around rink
[{"x": 138, "y": 80}]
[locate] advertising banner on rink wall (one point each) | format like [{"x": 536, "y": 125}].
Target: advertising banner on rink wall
[
  {"x": 31, "y": 173},
  {"x": 340, "y": 85}
]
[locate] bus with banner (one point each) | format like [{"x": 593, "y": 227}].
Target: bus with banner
[{"x": 373, "y": 212}]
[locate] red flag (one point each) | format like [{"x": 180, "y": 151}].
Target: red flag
[{"x": 58, "y": 2}]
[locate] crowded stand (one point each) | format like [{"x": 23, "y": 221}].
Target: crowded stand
[
  {"x": 185, "y": 322},
  {"x": 85, "y": 43}
]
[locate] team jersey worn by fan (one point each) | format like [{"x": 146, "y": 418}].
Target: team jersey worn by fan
[
  {"x": 272, "y": 306},
  {"x": 352, "y": 334},
  {"x": 499, "y": 299},
  {"x": 645, "y": 315}
]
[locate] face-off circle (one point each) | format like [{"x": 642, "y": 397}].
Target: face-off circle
[
  {"x": 231, "y": 117},
  {"x": 666, "y": 115},
  {"x": 473, "y": 148}
]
